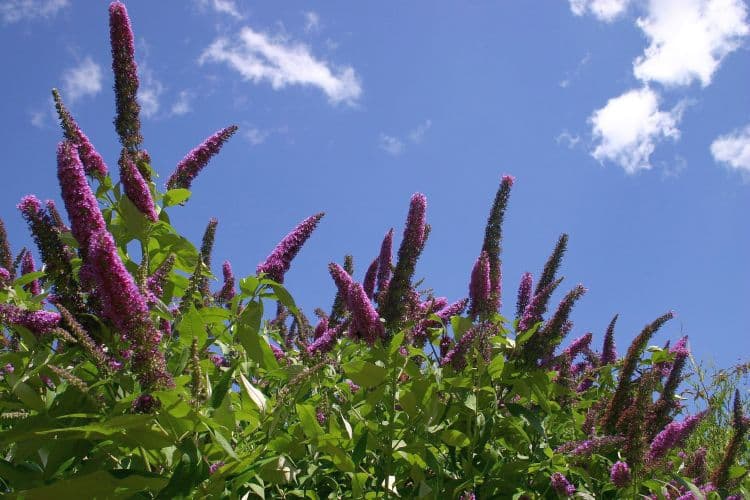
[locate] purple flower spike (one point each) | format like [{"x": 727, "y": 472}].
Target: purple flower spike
[
  {"x": 83, "y": 210},
  {"x": 190, "y": 166},
  {"x": 680, "y": 349},
  {"x": 480, "y": 287},
  {"x": 385, "y": 261},
  {"x": 92, "y": 161},
  {"x": 320, "y": 328},
  {"x": 609, "y": 353},
  {"x": 325, "y": 341},
  {"x": 4, "y": 276},
  {"x": 280, "y": 260},
  {"x": 578, "y": 345},
  {"x": 38, "y": 322},
  {"x": 414, "y": 232},
  {"x": 342, "y": 279},
  {"x": 136, "y": 187},
  {"x": 214, "y": 467},
  {"x": 127, "y": 121},
  {"x": 365, "y": 322},
  {"x": 620, "y": 474},
  {"x": 533, "y": 312},
  {"x": 524, "y": 293},
  {"x": 672, "y": 435},
  {"x": 226, "y": 294},
  {"x": 561, "y": 485},
  {"x": 29, "y": 266},
  {"x": 278, "y": 353},
  {"x": 456, "y": 356},
  {"x": 369, "y": 282},
  {"x": 451, "y": 310},
  {"x": 145, "y": 403}
]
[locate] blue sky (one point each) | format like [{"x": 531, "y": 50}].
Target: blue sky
[{"x": 625, "y": 122}]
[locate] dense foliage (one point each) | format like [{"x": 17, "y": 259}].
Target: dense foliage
[{"x": 125, "y": 376}]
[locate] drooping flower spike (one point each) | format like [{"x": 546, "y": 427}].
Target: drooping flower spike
[
  {"x": 279, "y": 260},
  {"x": 93, "y": 163},
  {"x": 136, "y": 187},
  {"x": 196, "y": 160}
]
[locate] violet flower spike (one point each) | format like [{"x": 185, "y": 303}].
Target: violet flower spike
[
  {"x": 480, "y": 287},
  {"x": 196, "y": 160},
  {"x": 38, "y": 322},
  {"x": 136, "y": 187},
  {"x": 609, "y": 353},
  {"x": 672, "y": 435},
  {"x": 93, "y": 163},
  {"x": 561, "y": 485},
  {"x": 127, "y": 121},
  {"x": 385, "y": 261},
  {"x": 83, "y": 210},
  {"x": 29, "y": 266},
  {"x": 579, "y": 345},
  {"x": 279, "y": 260},
  {"x": 620, "y": 474},
  {"x": 227, "y": 293},
  {"x": 524, "y": 293},
  {"x": 369, "y": 282},
  {"x": 365, "y": 322}
]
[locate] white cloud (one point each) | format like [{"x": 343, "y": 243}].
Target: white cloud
[
  {"x": 572, "y": 75},
  {"x": 312, "y": 22},
  {"x": 82, "y": 80},
  {"x": 629, "y": 126},
  {"x": 149, "y": 92},
  {"x": 228, "y": 7},
  {"x": 12, "y": 11},
  {"x": 418, "y": 133},
  {"x": 604, "y": 10},
  {"x": 257, "y": 136},
  {"x": 570, "y": 140},
  {"x": 688, "y": 39},
  {"x": 39, "y": 119},
  {"x": 391, "y": 145},
  {"x": 257, "y": 57},
  {"x": 733, "y": 149},
  {"x": 182, "y": 105}
]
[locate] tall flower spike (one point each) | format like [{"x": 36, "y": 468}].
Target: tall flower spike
[
  {"x": 609, "y": 353},
  {"x": 38, "y": 322},
  {"x": 55, "y": 215},
  {"x": 552, "y": 264},
  {"x": 411, "y": 247},
  {"x": 552, "y": 333},
  {"x": 365, "y": 323},
  {"x": 534, "y": 311},
  {"x": 456, "y": 356},
  {"x": 492, "y": 244},
  {"x": 660, "y": 412},
  {"x": 720, "y": 475},
  {"x": 83, "y": 210},
  {"x": 155, "y": 282},
  {"x": 29, "y": 266},
  {"x": 279, "y": 260},
  {"x": 524, "y": 294},
  {"x": 93, "y": 163},
  {"x": 579, "y": 345},
  {"x": 672, "y": 435},
  {"x": 369, "y": 282},
  {"x": 190, "y": 166},
  {"x": 127, "y": 121},
  {"x": 125, "y": 307},
  {"x": 480, "y": 288},
  {"x": 136, "y": 187},
  {"x": 620, "y": 396},
  {"x": 446, "y": 313},
  {"x": 342, "y": 279},
  {"x": 207, "y": 248},
  {"x": 620, "y": 474},
  {"x": 6, "y": 255},
  {"x": 385, "y": 261}
]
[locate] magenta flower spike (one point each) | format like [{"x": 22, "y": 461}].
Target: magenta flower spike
[
  {"x": 561, "y": 485},
  {"x": 369, "y": 282},
  {"x": 123, "y": 304},
  {"x": 136, "y": 187},
  {"x": 92, "y": 161},
  {"x": 480, "y": 287},
  {"x": 446, "y": 313},
  {"x": 609, "y": 353},
  {"x": 524, "y": 293},
  {"x": 38, "y": 322},
  {"x": 226, "y": 294},
  {"x": 29, "y": 266},
  {"x": 456, "y": 356},
  {"x": 190, "y": 166},
  {"x": 4, "y": 276},
  {"x": 83, "y": 210},
  {"x": 325, "y": 341},
  {"x": 365, "y": 322},
  {"x": 579, "y": 345},
  {"x": 342, "y": 279},
  {"x": 385, "y": 261},
  {"x": 280, "y": 259},
  {"x": 672, "y": 435},
  {"x": 620, "y": 474},
  {"x": 533, "y": 312},
  {"x": 127, "y": 121}
]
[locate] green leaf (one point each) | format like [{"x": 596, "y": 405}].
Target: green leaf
[
  {"x": 248, "y": 333},
  {"x": 220, "y": 390},
  {"x": 28, "y": 278},
  {"x": 283, "y": 296},
  {"x": 28, "y": 396},
  {"x": 364, "y": 373},
  {"x": 101, "y": 484},
  {"x": 309, "y": 421},
  {"x": 190, "y": 326},
  {"x": 495, "y": 368},
  {"x": 453, "y": 437},
  {"x": 176, "y": 196}
]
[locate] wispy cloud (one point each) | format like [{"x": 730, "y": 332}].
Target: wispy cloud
[
  {"x": 605, "y": 10},
  {"x": 570, "y": 140},
  {"x": 13, "y": 11},
  {"x": 182, "y": 105},
  {"x": 689, "y": 39},
  {"x": 149, "y": 92},
  {"x": 257, "y": 136},
  {"x": 733, "y": 150},
  {"x": 629, "y": 126},
  {"x": 258, "y": 58},
  {"x": 572, "y": 75},
  {"x": 417, "y": 135},
  {"x": 312, "y": 22},
  {"x": 228, "y": 7},
  {"x": 84, "y": 79},
  {"x": 391, "y": 145}
]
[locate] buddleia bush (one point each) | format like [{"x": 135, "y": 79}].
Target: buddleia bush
[{"x": 128, "y": 372}]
